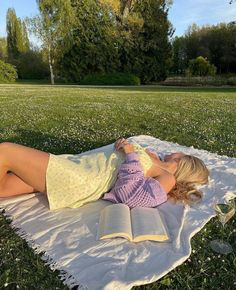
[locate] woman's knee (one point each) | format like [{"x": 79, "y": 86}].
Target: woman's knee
[{"x": 5, "y": 145}]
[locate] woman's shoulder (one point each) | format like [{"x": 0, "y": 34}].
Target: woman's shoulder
[{"x": 167, "y": 180}]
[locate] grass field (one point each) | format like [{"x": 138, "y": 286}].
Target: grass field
[{"x": 71, "y": 119}]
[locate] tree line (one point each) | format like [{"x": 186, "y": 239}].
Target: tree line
[
  {"x": 17, "y": 50},
  {"x": 216, "y": 43},
  {"x": 82, "y": 38}
]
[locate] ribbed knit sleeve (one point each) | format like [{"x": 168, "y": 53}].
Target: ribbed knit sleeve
[
  {"x": 131, "y": 167},
  {"x": 133, "y": 188}
]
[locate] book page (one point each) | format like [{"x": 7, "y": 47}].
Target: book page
[
  {"x": 147, "y": 225},
  {"x": 115, "y": 222}
]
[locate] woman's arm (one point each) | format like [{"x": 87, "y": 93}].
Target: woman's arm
[
  {"x": 131, "y": 165},
  {"x": 152, "y": 154}
]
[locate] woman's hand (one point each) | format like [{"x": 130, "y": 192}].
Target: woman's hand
[
  {"x": 123, "y": 144},
  {"x": 152, "y": 154}
]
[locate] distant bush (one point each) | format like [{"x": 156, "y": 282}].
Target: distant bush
[
  {"x": 111, "y": 79},
  {"x": 200, "y": 81},
  {"x": 8, "y": 72},
  {"x": 200, "y": 67}
]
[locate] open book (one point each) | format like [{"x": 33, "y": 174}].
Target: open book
[{"x": 136, "y": 224}]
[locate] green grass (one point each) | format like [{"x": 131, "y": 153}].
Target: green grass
[{"x": 71, "y": 119}]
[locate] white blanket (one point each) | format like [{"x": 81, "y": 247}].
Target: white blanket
[{"x": 69, "y": 236}]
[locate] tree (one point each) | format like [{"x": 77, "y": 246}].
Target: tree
[
  {"x": 180, "y": 59},
  {"x": 129, "y": 36},
  {"x": 201, "y": 67},
  {"x": 53, "y": 26},
  {"x": 17, "y": 37},
  {"x": 143, "y": 32},
  {"x": 3, "y": 48},
  {"x": 151, "y": 50},
  {"x": 95, "y": 42}
]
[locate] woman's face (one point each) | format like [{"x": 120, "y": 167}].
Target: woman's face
[{"x": 174, "y": 157}]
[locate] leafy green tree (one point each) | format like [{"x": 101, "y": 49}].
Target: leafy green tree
[
  {"x": 17, "y": 37},
  {"x": 129, "y": 36},
  {"x": 95, "y": 42},
  {"x": 53, "y": 26},
  {"x": 143, "y": 32},
  {"x": 151, "y": 50},
  {"x": 180, "y": 60},
  {"x": 201, "y": 67},
  {"x": 25, "y": 38},
  {"x": 128, "y": 24}
]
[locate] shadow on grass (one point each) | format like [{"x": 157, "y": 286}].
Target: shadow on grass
[{"x": 156, "y": 88}]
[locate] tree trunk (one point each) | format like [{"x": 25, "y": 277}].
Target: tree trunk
[{"x": 50, "y": 61}]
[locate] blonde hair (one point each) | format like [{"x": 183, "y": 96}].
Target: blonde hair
[{"x": 190, "y": 172}]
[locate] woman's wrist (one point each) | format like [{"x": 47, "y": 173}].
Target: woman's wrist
[{"x": 128, "y": 149}]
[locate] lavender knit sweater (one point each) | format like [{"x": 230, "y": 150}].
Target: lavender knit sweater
[{"x": 133, "y": 188}]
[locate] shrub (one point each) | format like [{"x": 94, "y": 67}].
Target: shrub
[
  {"x": 111, "y": 79},
  {"x": 8, "y": 72},
  {"x": 200, "y": 67},
  {"x": 218, "y": 80}
]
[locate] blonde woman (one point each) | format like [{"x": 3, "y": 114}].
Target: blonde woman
[{"x": 125, "y": 173}]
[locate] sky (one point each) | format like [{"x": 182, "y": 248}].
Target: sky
[
  {"x": 202, "y": 12},
  {"x": 182, "y": 13}
]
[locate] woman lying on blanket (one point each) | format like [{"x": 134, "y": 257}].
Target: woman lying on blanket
[{"x": 127, "y": 173}]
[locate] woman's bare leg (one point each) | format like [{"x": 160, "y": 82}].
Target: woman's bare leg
[{"x": 28, "y": 166}]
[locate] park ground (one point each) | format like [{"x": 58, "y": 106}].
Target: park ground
[{"x": 72, "y": 119}]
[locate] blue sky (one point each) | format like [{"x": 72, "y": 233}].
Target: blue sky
[
  {"x": 202, "y": 12},
  {"x": 182, "y": 13}
]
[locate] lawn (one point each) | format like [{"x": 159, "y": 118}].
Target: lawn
[{"x": 72, "y": 119}]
